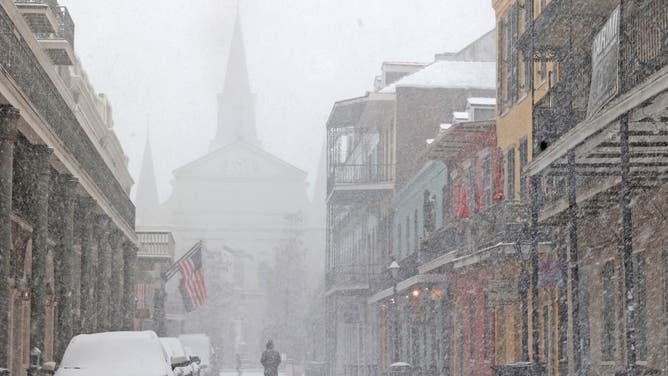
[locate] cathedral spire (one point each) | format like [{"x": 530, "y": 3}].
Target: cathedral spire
[
  {"x": 236, "y": 103},
  {"x": 147, "y": 203}
]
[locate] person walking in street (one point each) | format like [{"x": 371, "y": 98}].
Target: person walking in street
[
  {"x": 239, "y": 364},
  {"x": 270, "y": 360}
]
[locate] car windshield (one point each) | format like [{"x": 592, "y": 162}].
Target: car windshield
[{"x": 122, "y": 354}]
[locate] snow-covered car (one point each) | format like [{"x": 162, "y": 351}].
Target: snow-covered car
[
  {"x": 115, "y": 354},
  {"x": 176, "y": 352},
  {"x": 194, "y": 361},
  {"x": 200, "y": 345}
]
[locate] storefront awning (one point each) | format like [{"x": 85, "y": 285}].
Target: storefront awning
[{"x": 407, "y": 284}]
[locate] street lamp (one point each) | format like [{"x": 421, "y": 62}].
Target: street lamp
[{"x": 394, "y": 271}]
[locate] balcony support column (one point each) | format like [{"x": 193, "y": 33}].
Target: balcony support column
[
  {"x": 41, "y": 172},
  {"x": 533, "y": 263},
  {"x": 578, "y": 346},
  {"x": 103, "y": 274},
  {"x": 63, "y": 260},
  {"x": 627, "y": 241},
  {"x": 117, "y": 277},
  {"x": 88, "y": 260},
  {"x": 129, "y": 285},
  {"x": 8, "y": 119}
]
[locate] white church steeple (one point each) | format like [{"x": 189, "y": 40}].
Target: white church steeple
[
  {"x": 147, "y": 202},
  {"x": 236, "y": 103}
]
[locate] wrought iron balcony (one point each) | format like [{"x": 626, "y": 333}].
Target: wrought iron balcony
[
  {"x": 348, "y": 277},
  {"x": 362, "y": 177},
  {"x": 500, "y": 223},
  {"x": 59, "y": 45},
  {"x": 562, "y": 108},
  {"x": 155, "y": 245},
  {"x": 562, "y": 22},
  {"x": 645, "y": 49},
  {"x": 41, "y": 15}
]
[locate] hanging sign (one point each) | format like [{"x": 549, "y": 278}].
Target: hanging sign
[{"x": 605, "y": 65}]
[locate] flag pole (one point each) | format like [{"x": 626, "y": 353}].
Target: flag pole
[{"x": 171, "y": 271}]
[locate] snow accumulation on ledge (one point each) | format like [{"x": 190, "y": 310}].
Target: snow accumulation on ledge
[{"x": 450, "y": 74}]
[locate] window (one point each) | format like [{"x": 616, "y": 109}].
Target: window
[
  {"x": 408, "y": 233},
  {"x": 415, "y": 231},
  {"x": 487, "y": 182},
  {"x": 428, "y": 213},
  {"x": 399, "y": 241},
  {"x": 472, "y": 322},
  {"x": 640, "y": 303},
  {"x": 510, "y": 174},
  {"x": 470, "y": 189},
  {"x": 608, "y": 346},
  {"x": 487, "y": 332},
  {"x": 524, "y": 159},
  {"x": 447, "y": 204},
  {"x": 545, "y": 334},
  {"x": 512, "y": 55},
  {"x": 542, "y": 71},
  {"x": 499, "y": 66}
]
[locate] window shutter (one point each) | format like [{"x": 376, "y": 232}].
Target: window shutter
[
  {"x": 514, "y": 53},
  {"x": 499, "y": 67}
]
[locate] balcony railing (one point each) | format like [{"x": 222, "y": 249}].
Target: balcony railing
[
  {"x": 155, "y": 245},
  {"x": 51, "y": 3},
  {"x": 645, "y": 48},
  {"x": 65, "y": 27},
  {"x": 500, "y": 223},
  {"x": 36, "y": 85},
  {"x": 348, "y": 276},
  {"x": 562, "y": 108},
  {"x": 362, "y": 174}
]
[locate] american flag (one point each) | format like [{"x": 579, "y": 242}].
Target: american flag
[{"x": 192, "y": 287}]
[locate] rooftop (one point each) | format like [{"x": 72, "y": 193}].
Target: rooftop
[
  {"x": 450, "y": 74},
  {"x": 479, "y": 101}
]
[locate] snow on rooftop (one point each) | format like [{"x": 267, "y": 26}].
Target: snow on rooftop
[
  {"x": 430, "y": 141},
  {"x": 450, "y": 74},
  {"x": 480, "y": 101},
  {"x": 460, "y": 115},
  {"x": 445, "y": 127}
]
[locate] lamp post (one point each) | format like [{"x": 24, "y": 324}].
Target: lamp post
[{"x": 394, "y": 271}]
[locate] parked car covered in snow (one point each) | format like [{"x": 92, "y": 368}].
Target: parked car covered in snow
[
  {"x": 200, "y": 345},
  {"x": 194, "y": 361},
  {"x": 180, "y": 359},
  {"x": 115, "y": 354}
]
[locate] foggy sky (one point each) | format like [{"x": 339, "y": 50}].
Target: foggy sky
[{"x": 162, "y": 63}]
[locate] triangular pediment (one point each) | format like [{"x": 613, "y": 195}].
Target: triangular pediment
[{"x": 239, "y": 160}]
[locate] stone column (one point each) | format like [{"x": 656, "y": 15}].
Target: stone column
[
  {"x": 8, "y": 118},
  {"x": 103, "y": 273},
  {"x": 41, "y": 172},
  {"x": 117, "y": 277},
  {"x": 129, "y": 285},
  {"x": 88, "y": 256},
  {"x": 63, "y": 261}
]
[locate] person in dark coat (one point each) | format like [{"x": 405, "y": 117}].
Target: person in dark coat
[{"x": 270, "y": 360}]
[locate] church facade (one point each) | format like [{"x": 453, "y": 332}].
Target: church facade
[{"x": 244, "y": 203}]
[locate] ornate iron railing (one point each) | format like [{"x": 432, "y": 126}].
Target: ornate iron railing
[
  {"x": 347, "y": 275},
  {"x": 362, "y": 174},
  {"x": 19, "y": 61},
  {"x": 645, "y": 46}
]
